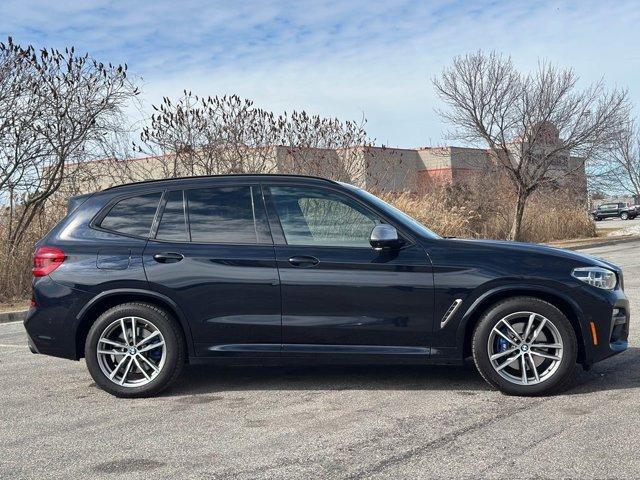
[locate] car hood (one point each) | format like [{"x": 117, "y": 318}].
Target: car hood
[{"x": 537, "y": 249}]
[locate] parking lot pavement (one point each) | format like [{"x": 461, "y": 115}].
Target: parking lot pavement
[
  {"x": 616, "y": 223},
  {"x": 338, "y": 422}
]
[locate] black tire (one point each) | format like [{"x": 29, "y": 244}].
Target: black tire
[
  {"x": 597, "y": 219},
  {"x": 174, "y": 345},
  {"x": 563, "y": 375}
]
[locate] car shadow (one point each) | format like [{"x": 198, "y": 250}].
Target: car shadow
[
  {"x": 208, "y": 379},
  {"x": 621, "y": 372},
  {"x": 617, "y": 373}
]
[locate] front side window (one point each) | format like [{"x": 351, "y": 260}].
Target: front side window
[
  {"x": 313, "y": 216},
  {"x": 221, "y": 215},
  {"x": 133, "y": 215}
]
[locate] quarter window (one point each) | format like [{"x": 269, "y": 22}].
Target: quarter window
[
  {"x": 221, "y": 215},
  {"x": 133, "y": 215},
  {"x": 311, "y": 216}
]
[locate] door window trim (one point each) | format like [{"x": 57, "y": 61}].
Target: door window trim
[{"x": 160, "y": 213}]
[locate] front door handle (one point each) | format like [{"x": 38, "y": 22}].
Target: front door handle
[
  {"x": 304, "y": 261},
  {"x": 168, "y": 257}
]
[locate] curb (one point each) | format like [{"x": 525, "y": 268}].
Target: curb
[
  {"x": 13, "y": 316},
  {"x": 604, "y": 243}
]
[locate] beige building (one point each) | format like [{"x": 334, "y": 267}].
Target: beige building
[{"x": 373, "y": 168}]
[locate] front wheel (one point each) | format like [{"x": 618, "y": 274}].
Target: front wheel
[
  {"x": 624, "y": 216},
  {"x": 134, "y": 350},
  {"x": 525, "y": 346}
]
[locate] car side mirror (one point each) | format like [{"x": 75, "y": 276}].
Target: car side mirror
[{"x": 384, "y": 237}]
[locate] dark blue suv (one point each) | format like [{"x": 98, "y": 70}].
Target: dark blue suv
[{"x": 242, "y": 269}]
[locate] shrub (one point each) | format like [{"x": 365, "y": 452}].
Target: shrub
[{"x": 15, "y": 271}]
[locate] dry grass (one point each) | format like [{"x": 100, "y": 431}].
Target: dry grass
[
  {"x": 15, "y": 265},
  {"x": 486, "y": 211}
]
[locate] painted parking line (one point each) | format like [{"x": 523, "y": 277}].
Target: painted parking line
[{"x": 11, "y": 345}]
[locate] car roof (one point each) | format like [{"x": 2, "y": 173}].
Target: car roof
[{"x": 230, "y": 178}]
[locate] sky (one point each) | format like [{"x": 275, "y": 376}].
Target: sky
[{"x": 348, "y": 59}]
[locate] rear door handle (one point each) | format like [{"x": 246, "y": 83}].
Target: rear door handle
[
  {"x": 168, "y": 257},
  {"x": 304, "y": 261}
]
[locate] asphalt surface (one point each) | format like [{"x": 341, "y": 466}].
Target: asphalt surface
[
  {"x": 616, "y": 223},
  {"x": 356, "y": 422}
]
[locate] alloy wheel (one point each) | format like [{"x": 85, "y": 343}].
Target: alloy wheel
[
  {"x": 131, "y": 351},
  {"x": 525, "y": 348}
]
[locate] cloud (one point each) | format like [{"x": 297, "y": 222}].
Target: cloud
[{"x": 335, "y": 58}]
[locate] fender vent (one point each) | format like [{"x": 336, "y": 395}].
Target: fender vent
[{"x": 452, "y": 309}]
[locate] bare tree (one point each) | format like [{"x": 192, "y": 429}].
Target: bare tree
[
  {"x": 213, "y": 135},
  {"x": 55, "y": 108},
  {"x": 539, "y": 127},
  {"x": 326, "y": 147},
  {"x": 618, "y": 169},
  {"x": 217, "y": 135}
]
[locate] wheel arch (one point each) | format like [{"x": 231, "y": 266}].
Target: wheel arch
[
  {"x": 105, "y": 300},
  {"x": 565, "y": 304}
]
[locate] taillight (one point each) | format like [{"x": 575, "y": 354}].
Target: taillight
[{"x": 46, "y": 260}]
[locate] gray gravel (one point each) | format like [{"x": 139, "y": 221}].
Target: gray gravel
[{"x": 356, "y": 422}]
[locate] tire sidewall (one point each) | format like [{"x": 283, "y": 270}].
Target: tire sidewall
[
  {"x": 501, "y": 310},
  {"x": 174, "y": 349}
]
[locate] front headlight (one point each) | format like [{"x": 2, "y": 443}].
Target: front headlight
[{"x": 596, "y": 276}]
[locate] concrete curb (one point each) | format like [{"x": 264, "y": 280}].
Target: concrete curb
[
  {"x": 605, "y": 242},
  {"x": 13, "y": 316}
]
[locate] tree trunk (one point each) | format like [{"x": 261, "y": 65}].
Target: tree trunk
[{"x": 516, "y": 226}]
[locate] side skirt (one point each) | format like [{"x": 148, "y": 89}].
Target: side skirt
[{"x": 303, "y": 354}]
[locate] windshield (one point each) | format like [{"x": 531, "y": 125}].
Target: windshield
[{"x": 394, "y": 212}]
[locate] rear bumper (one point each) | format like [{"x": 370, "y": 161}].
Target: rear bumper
[
  {"x": 51, "y": 326},
  {"x": 31, "y": 345}
]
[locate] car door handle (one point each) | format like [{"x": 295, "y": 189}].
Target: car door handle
[
  {"x": 168, "y": 257},
  {"x": 304, "y": 261}
]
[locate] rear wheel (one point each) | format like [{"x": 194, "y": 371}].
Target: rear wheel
[
  {"x": 525, "y": 346},
  {"x": 134, "y": 350},
  {"x": 624, "y": 216}
]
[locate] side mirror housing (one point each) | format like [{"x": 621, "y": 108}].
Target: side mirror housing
[{"x": 384, "y": 237}]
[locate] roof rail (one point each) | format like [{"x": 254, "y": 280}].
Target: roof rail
[{"x": 229, "y": 175}]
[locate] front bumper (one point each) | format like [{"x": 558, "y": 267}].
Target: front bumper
[{"x": 608, "y": 327}]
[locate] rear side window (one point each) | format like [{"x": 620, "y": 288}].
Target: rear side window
[
  {"x": 132, "y": 215},
  {"x": 173, "y": 225},
  {"x": 221, "y": 215}
]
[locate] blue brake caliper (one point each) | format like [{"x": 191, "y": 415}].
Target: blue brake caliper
[
  {"x": 156, "y": 354},
  {"x": 502, "y": 345}
]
